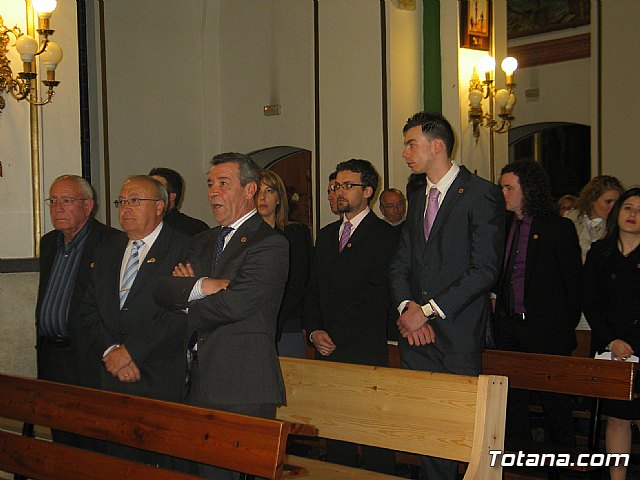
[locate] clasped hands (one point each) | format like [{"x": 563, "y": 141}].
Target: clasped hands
[
  {"x": 209, "y": 285},
  {"x": 414, "y": 327},
  {"x": 120, "y": 364},
  {"x": 620, "y": 350}
]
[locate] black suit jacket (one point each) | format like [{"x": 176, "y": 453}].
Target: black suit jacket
[
  {"x": 457, "y": 268},
  {"x": 154, "y": 336},
  {"x": 348, "y": 294},
  {"x": 184, "y": 223},
  {"x": 88, "y": 365},
  {"x": 551, "y": 286},
  {"x": 237, "y": 360}
]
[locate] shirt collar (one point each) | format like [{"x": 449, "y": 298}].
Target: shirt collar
[
  {"x": 445, "y": 182},
  {"x": 355, "y": 221}
]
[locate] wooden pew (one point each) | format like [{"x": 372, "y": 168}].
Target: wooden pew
[
  {"x": 449, "y": 416},
  {"x": 586, "y": 377},
  {"x": 236, "y": 442}
]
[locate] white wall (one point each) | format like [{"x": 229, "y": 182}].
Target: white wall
[
  {"x": 620, "y": 102},
  {"x": 59, "y": 127}
]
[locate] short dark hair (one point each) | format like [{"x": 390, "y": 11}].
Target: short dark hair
[
  {"x": 434, "y": 126},
  {"x": 249, "y": 171},
  {"x": 535, "y": 185},
  {"x": 333, "y": 175},
  {"x": 175, "y": 182},
  {"x": 368, "y": 174}
]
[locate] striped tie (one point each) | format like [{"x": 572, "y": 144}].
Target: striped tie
[{"x": 130, "y": 271}]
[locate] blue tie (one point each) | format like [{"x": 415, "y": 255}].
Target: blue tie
[
  {"x": 220, "y": 242},
  {"x": 130, "y": 271}
]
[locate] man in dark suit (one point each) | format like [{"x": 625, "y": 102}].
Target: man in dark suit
[
  {"x": 232, "y": 285},
  {"x": 67, "y": 257},
  {"x": 348, "y": 295},
  {"x": 174, "y": 183},
  {"x": 447, "y": 260},
  {"x": 538, "y": 294},
  {"x": 141, "y": 343}
]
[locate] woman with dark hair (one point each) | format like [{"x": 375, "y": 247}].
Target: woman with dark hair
[
  {"x": 272, "y": 205},
  {"x": 611, "y": 304},
  {"x": 592, "y": 209}
]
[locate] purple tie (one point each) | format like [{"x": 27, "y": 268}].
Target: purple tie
[
  {"x": 346, "y": 233},
  {"x": 432, "y": 211}
]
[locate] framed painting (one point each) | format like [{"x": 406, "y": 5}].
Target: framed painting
[
  {"x": 531, "y": 17},
  {"x": 475, "y": 24}
]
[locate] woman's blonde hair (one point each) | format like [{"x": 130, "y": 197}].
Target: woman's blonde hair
[{"x": 272, "y": 180}]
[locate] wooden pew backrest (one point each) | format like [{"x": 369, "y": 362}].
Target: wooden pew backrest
[
  {"x": 562, "y": 374},
  {"x": 203, "y": 435},
  {"x": 449, "y": 416}
]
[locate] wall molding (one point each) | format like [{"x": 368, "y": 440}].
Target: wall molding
[{"x": 552, "y": 51}]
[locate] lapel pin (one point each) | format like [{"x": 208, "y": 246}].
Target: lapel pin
[
  {"x": 349, "y": 245},
  {"x": 461, "y": 190},
  {"x": 536, "y": 236},
  {"x": 151, "y": 260},
  {"x": 92, "y": 265},
  {"x": 243, "y": 239}
]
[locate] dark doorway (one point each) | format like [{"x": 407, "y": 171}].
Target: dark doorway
[{"x": 563, "y": 149}]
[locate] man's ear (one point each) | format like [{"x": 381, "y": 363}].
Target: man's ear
[
  {"x": 251, "y": 188},
  {"x": 368, "y": 192},
  {"x": 438, "y": 146}
]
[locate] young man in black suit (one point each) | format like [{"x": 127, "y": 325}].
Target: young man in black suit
[
  {"x": 538, "y": 294},
  {"x": 447, "y": 260},
  {"x": 348, "y": 296}
]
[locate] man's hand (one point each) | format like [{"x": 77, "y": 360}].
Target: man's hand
[
  {"x": 210, "y": 286},
  {"x": 411, "y": 320},
  {"x": 129, "y": 373},
  {"x": 181, "y": 270},
  {"x": 620, "y": 350},
  {"x": 323, "y": 343},
  {"x": 423, "y": 336},
  {"x": 117, "y": 359}
]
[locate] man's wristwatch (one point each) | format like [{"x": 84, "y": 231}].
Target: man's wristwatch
[{"x": 428, "y": 311}]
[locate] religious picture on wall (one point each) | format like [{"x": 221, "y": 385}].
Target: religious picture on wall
[
  {"x": 531, "y": 17},
  {"x": 475, "y": 24}
]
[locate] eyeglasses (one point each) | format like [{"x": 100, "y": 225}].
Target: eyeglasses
[
  {"x": 345, "y": 186},
  {"x": 64, "y": 201},
  {"x": 133, "y": 202},
  {"x": 397, "y": 205}
]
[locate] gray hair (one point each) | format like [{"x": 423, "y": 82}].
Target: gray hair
[
  {"x": 85, "y": 187},
  {"x": 249, "y": 171}
]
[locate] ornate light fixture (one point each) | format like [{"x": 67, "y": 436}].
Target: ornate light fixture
[
  {"x": 504, "y": 98},
  {"x": 22, "y": 87}
]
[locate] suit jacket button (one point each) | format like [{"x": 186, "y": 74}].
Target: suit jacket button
[
  {"x": 635, "y": 322},
  {"x": 424, "y": 293}
]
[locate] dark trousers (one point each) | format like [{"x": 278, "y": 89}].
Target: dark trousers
[
  {"x": 429, "y": 358},
  {"x": 519, "y": 335},
  {"x": 56, "y": 363}
]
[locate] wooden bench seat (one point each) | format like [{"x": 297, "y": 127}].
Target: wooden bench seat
[
  {"x": 236, "y": 442},
  {"x": 449, "y": 416}
]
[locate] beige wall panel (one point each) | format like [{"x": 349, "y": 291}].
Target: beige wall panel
[
  {"x": 350, "y": 86},
  {"x": 620, "y": 77}
]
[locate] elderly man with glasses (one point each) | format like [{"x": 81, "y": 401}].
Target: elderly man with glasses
[
  {"x": 67, "y": 257},
  {"x": 141, "y": 344}
]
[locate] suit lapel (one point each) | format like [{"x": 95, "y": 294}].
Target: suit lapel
[
  {"x": 148, "y": 266},
  {"x": 533, "y": 250},
  {"x": 112, "y": 277},
  {"x": 455, "y": 192},
  {"x": 360, "y": 233},
  {"x": 237, "y": 242}
]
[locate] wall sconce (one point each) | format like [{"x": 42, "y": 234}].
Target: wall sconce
[
  {"x": 504, "y": 98},
  {"x": 22, "y": 87}
]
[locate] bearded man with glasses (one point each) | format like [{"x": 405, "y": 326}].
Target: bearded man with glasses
[{"x": 67, "y": 257}]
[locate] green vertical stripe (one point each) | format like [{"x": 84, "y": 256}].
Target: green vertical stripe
[{"x": 431, "y": 49}]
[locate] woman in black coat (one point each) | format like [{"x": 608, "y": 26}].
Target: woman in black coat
[
  {"x": 612, "y": 307},
  {"x": 272, "y": 205}
]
